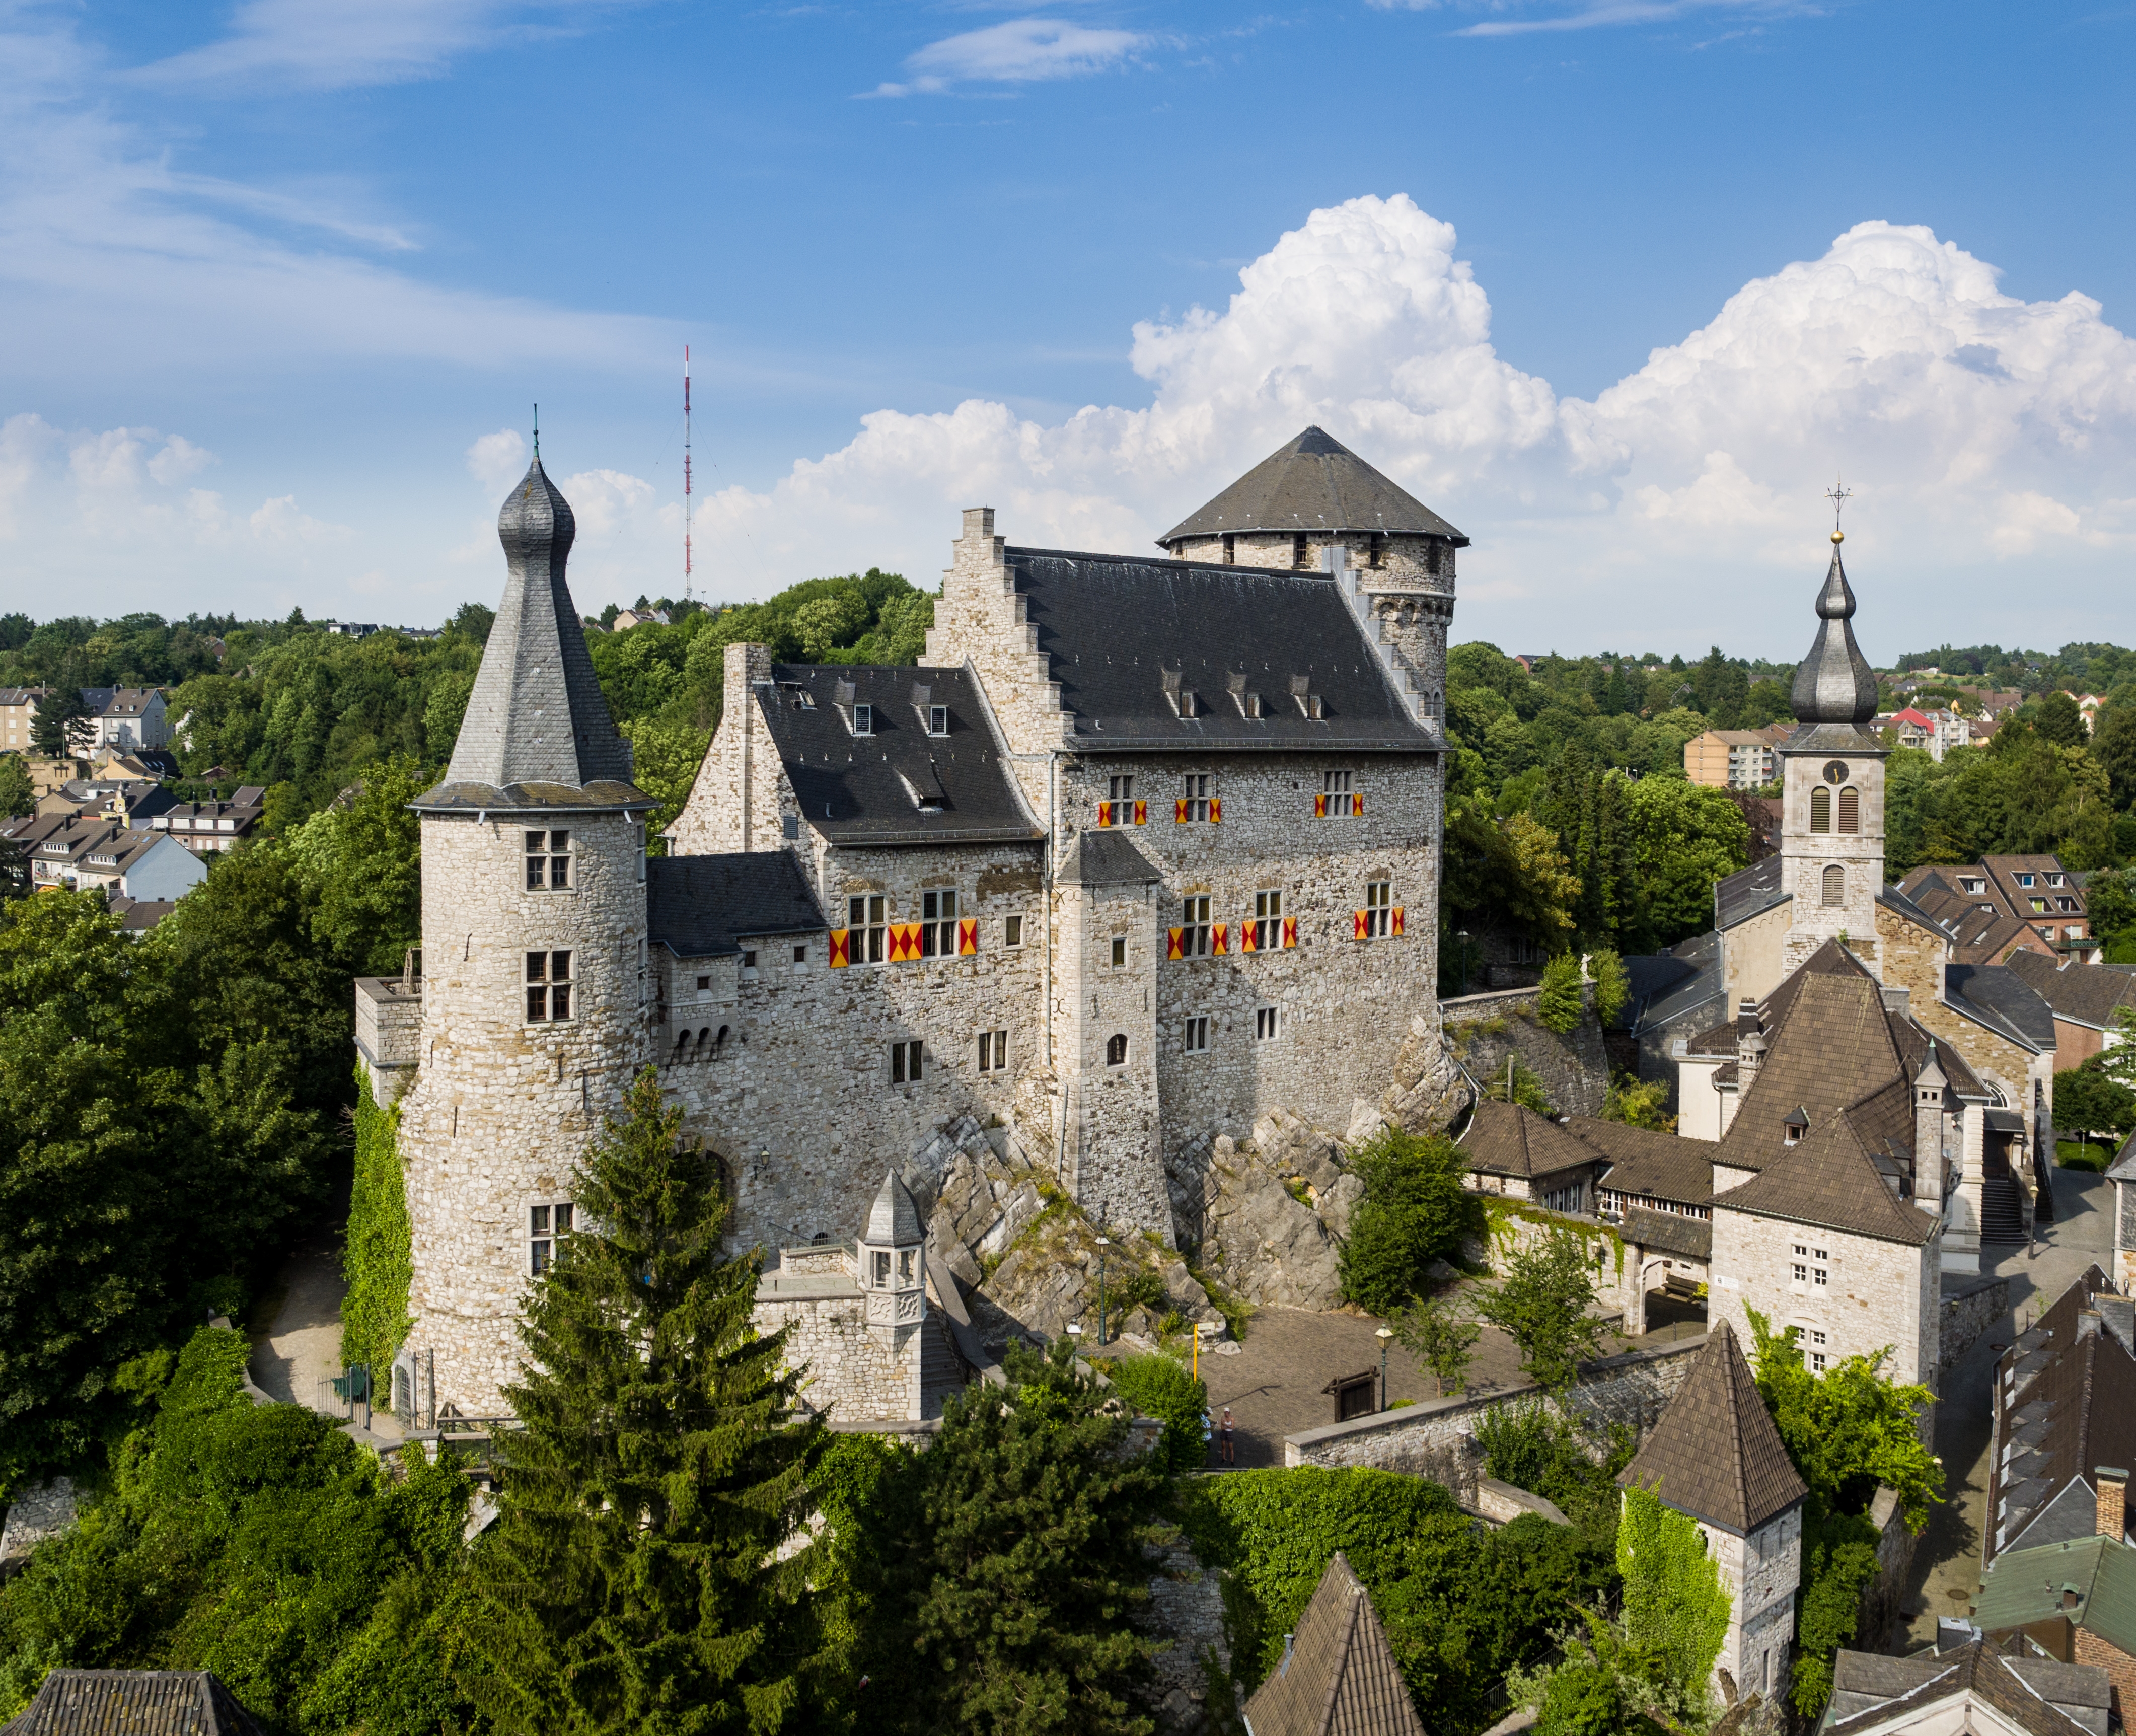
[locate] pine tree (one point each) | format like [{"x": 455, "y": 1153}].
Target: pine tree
[
  {"x": 1007, "y": 1577},
  {"x": 630, "y": 1585},
  {"x": 60, "y": 728}
]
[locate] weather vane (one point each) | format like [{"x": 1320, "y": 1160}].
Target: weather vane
[
  {"x": 537, "y": 431},
  {"x": 1838, "y": 494}
]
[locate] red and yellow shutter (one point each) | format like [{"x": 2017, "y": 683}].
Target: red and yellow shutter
[
  {"x": 1357, "y": 802},
  {"x": 841, "y": 949},
  {"x": 1105, "y": 814},
  {"x": 1362, "y": 924},
  {"x": 1320, "y": 807},
  {"x": 1398, "y": 919},
  {"x": 1141, "y": 813},
  {"x": 1175, "y": 943},
  {"x": 1290, "y": 930},
  {"x": 967, "y": 936},
  {"x": 1179, "y": 811},
  {"x": 1220, "y": 936},
  {"x": 1216, "y": 808},
  {"x": 1248, "y": 936},
  {"x": 904, "y": 941}
]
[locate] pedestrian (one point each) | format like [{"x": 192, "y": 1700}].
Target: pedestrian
[
  {"x": 1208, "y": 1434},
  {"x": 1224, "y": 1448}
]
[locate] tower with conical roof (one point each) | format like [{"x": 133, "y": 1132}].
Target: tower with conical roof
[
  {"x": 1313, "y": 505},
  {"x": 1831, "y": 821},
  {"x": 536, "y": 1009}
]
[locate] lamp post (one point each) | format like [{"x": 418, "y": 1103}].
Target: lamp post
[
  {"x": 1103, "y": 1247},
  {"x": 1463, "y": 938},
  {"x": 1385, "y": 1337}
]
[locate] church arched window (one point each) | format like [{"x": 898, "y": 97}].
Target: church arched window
[
  {"x": 1850, "y": 810},
  {"x": 1835, "y": 885},
  {"x": 1116, "y": 1050},
  {"x": 1820, "y": 809}
]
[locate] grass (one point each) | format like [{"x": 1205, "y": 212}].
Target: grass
[{"x": 2073, "y": 1155}]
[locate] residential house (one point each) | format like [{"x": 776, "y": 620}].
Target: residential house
[
  {"x": 137, "y": 916},
  {"x": 1934, "y": 732},
  {"x": 1972, "y": 1688},
  {"x": 159, "y": 764},
  {"x": 2122, "y": 1176},
  {"x": 1337, "y": 1675},
  {"x": 138, "y": 864},
  {"x": 1514, "y": 1152},
  {"x": 56, "y": 853},
  {"x": 2064, "y": 1406},
  {"x": 47, "y": 776},
  {"x": 2038, "y": 890},
  {"x": 2084, "y": 999},
  {"x": 2074, "y": 1601},
  {"x": 18, "y": 710},
  {"x": 626, "y": 619},
  {"x": 2087, "y": 706},
  {"x": 352, "y": 629},
  {"x": 127, "y": 716},
  {"x": 1734, "y": 759},
  {"x": 209, "y": 827},
  {"x": 1966, "y": 907}
]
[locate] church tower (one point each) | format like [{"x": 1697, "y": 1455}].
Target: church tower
[
  {"x": 1831, "y": 824},
  {"x": 535, "y": 986}
]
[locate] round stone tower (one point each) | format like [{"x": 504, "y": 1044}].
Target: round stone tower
[
  {"x": 1314, "y": 506},
  {"x": 535, "y": 984}
]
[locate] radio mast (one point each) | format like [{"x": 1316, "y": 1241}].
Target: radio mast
[{"x": 687, "y": 502}]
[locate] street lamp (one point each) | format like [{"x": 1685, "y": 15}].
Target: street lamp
[
  {"x": 1463, "y": 938},
  {"x": 1103, "y": 1245},
  {"x": 1385, "y": 1337}
]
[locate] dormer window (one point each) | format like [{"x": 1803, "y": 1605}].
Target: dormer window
[
  {"x": 937, "y": 720},
  {"x": 2024, "y": 880},
  {"x": 2057, "y": 880},
  {"x": 1793, "y": 1129},
  {"x": 863, "y": 720}
]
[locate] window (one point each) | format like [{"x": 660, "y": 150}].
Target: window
[
  {"x": 863, "y": 720},
  {"x": 1802, "y": 1274},
  {"x": 1565, "y": 1200},
  {"x": 1818, "y": 1273},
  {"x": 1835, "y": 886},
  {"x": 1230, "y": 549},
  {"x": 1122, "y": 788},
  {"x": 882, "y": 1268},
  {"x": 800, "y": 954},
  {"x": 1816, "y": 1337},
  {"x": 2024, "y": 880},
  {"x": 1376, "y": 552},
  {"x": 904, "y": 1063},
  {"x": 1194, "y": 933},
  {"x": 993, "y": 1051},
  {"x": 1820, "y": 809},
  {"x": 2065, "y": 904},
  {"x": 937, "y": 720},
  {"x": 1850, "y": 810},
  {"x": 938, "y": 924},
  {"x": 1194, "y": 804},
  {"x": 1116, "y": 1050},
  {"x": 2039, "y": 907},
  {"x": 704, "y": 985},
  {"x": 1816, "y": 1362},
  {"x": 1119, "y": 952},
  {"x": 1012, "y": 931},
  {"x": 1268, "y": 921},
  {"x": 1336, "y": 795},
  {"x": 545, "y": 1225},
  {"x": 864, "y": 927},
  {"x": 548, "y": 861},
  {"x": 2055, "y": 880},
  {"x": 548, "y": 987},
  {"x": 1197, "y": 1036},
  {"x": 1298, "y": 556},
  {"x": 749, "y": 965},
  {"x": 1378, "y": 905},
  {"x": 1267, "y": 1020}
]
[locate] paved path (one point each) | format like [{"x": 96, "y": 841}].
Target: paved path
[
  {"x": 1947, "y": 1560},
  {"x": 301, "y": 1345}
]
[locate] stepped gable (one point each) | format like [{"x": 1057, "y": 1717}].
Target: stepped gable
[
  {"x": 1339, "y": 1676},
  {"x": 1507, "y": 1139},
  {"x": 135, "y": 1702},
  {"x": 1122, "y": 637},
  {"x": 900, "y": 783},
  {"x": 1830, "y": 1179},
  {"x": 700, "y": 906},
  {"x": 1314, "y": 482},
  {"x": 1716, "y": 1454},
  {"x": 536, "y": 723}
]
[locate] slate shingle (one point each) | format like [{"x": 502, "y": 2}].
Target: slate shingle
[{"x": 1716, "y": 1454}]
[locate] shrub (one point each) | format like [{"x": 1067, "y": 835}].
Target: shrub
[
  {"x": 1638, "y": 1105},
  {"x": 1159, "y": 1387},
  {"x": 1415, "y": 1210},
  {"x": 1533, "y": 1448},
  {"x": 1613, "y": 986},
  {"x": 1558, "y": 1007}
]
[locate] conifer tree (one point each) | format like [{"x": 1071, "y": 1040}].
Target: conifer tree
[
  {"x": 1012, "y": 1561},
  {"x": 631, "y": 1584}
]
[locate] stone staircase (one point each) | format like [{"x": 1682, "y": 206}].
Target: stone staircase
[{"x": 2001, "y": 1212}]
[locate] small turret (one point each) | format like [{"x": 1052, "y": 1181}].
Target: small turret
[{"x": 893, "y": 1251}]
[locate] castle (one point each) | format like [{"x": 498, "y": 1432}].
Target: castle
[{"x": 1145, "y": 848}]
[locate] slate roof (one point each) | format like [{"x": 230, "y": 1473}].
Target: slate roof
[
  {"x": 1507, "y": 1139},
  {"x": 1339, "y": 1677},
  {"x": 1834, "y": 683},
  {"x": 1661, "y": 1166},
  {"x": 536, "y": 721},
  {"x": 1106, "y": 857},
  {"x": 1668, "y": 1232},
  {"x": 1999, "y": 996},
  {"x": 2025, "y": 1586},
  {"x": 2037, "y": 1695},
  {"x": 1830, "y": 1179},
  {"x": 2082, "y": 993},
  {"x": 1110, "y": 628},
  {"x": 1715, "y": 1454},
  {"x": 898, "y": 784},
  {"x": 894, "y": 1219},
  {"x": 132, "y": 1703},
  {"x": 1670, "y": 985},
  {"x": 1749, "y": 891},
  {"x": 1314, "y": 482},
  {"x": 700, "y": 906}
]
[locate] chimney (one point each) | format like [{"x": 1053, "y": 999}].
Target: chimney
[
  {"x": 2113, "y": 1520},
  {"x": 1749, "y": 1045},
  {"x": 1931, "y": 1104}
]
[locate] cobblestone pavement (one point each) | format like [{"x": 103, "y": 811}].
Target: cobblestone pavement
[{"x": 1946, "y": 1572}]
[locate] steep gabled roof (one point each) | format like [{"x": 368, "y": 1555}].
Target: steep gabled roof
[
  {"x": 1339, "y": 1677},
  {"x": 1830, "y": 1179},
  {"x": 1661, "y": 1166},
  {"x": 2038, "y": 1696},
  {"x": 1314, "y": 482},
  {"x": 1716, "y": 1454},
  {"x": 699, "y": 906},
  {"x": 132, "y": 1703},
  {"x": 1506, "y": 1139},
  {"x": 2024, "y": 1586},
  {"x": 1998, "y": 997},
  {"x": 2083, "y": 993}
]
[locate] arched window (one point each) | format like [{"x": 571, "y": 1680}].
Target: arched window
[
  {"x": 1116, "y": 1050},
  {"x": 1835, "y": 886},
  {"x": 1850, "y": 810},
  {"x": 1820, "y": 809},
  {"x": 682, "y": 1043},
  {"x": 719, "y": 1042}
]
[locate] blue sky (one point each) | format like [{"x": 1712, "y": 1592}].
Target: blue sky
[{"x": 281, "y": 280}]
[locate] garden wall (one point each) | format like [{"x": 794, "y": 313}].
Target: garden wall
[
  {"x": 1437, "y": 1439},
  {"x": 1970, "y": 1306},
  {"x": 1575, "y": 1069}
]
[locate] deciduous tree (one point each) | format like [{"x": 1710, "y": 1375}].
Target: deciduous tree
[{"x": 1541, "y": 1304}]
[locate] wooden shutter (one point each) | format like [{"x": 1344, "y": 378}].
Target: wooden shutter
[
  {"x": 1175, "y": 943},
  {"x": 1290, "y": 930},
  {"x": 1179, "y": 811},
  {"x": 1247, "y": 938},
  {"x": 1396, "y": 925},
  {"x": 1142, "y": 812},
  {"x": 967, "y": 936},
  {"x": 1360, "y": 924},
  {"x": 1219, "y": 935},
  {"x": 841, "y": 949},
  {"x": 1216, "y": 808},
  {"x": 1105, "y": 814},
  {"x": 1320, "y": 807}
]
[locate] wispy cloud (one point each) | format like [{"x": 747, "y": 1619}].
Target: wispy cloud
[
  {"x": 1021, "y": 51},
  {"x": 1598, "y": 15}
]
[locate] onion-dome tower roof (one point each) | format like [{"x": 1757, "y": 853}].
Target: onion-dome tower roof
[
  {"x": 1834, "y": 683},
  {"x": 1314, "y": 482}
]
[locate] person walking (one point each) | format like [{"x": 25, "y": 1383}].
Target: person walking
[
  {"x": 1208, "y": 1436},
  {"x": 1225, "y": 1452}
]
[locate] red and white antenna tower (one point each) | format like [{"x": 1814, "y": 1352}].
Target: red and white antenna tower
[{"x": 687, "y": 503}]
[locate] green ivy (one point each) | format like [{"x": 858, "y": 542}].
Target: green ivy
[
  {"x": 377, "y": 1258},
  {"x": 1675, "y": 1603},
  {"x": 1497, "y": 1209}
]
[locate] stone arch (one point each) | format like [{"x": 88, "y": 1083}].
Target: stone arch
[
  {"x": 1835, "y": 886},
  {"x": 1116, "y": 1049}
]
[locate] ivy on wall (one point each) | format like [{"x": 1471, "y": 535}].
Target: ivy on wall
[
  {"x": 377, "y": 1258},
  {"x": 1675, "y": 1603},
  {"x": 1504, "y": 1238}
]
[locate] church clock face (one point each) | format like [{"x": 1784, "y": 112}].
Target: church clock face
[{"x": 1835, "y": 772}]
